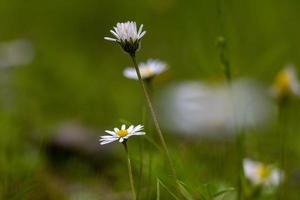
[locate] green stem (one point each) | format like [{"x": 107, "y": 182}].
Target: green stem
[
  {"x": 283, "y": 133},
  {"x": 130, "y": 171},
  {"x": 141, "y": 167},
  {"x": 240, "y": 156},
  {"x": 153, "y": 115},
  {"x": 222, "y": 44},
  {"x": 148, "y": 124},
  {"x": 223, "y": 59}
]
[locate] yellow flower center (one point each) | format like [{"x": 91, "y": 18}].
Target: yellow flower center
[
  {"x": 263, "y": 171},
  {"x": 147, "y": 71},
  {"x": 122, "y": 133},
  {"x": 283, "y": 83}
]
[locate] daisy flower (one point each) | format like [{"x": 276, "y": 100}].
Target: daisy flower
[
  {"x": 127, "y": 35},
  {"x": 286, "y": 83},
  {"x": 121, "y": 134},
  {"x": 214, "y": 110},
  {"x": 261, "y": 174},
  {"x": 148, "y": 70}
]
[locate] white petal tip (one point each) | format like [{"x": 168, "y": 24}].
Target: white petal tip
[{"x": 110, "y": 39}]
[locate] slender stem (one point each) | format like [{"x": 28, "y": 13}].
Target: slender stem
[
  {"x": 283, "y": 133},
  {"x": 224, "y": 61},
  {"x": 130, "y": 171},
  {"x": 149, "y": 86},
  {"x": 240, "y": 137},
  {"x": 153, "y": 115},
  {"x": 148, "y": 124},
  {"x": 149, "y": 175},
  {"x": 240, "y": 151},
  {"x": 222, "y": 43},
  {"x": 141, "y": 167},
  {"x": 142, "y": 152}
]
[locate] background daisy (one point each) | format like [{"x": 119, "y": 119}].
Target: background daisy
[{"x": 148, "y": 69}]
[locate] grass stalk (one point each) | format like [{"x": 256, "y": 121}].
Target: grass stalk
[
  {"x": 154, "y": 117},
  {"x": 222, "y": 44},
  {"x": 283, "y": 136},
  {"x": 130, "y": 171}
]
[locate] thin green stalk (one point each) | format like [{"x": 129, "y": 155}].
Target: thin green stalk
[
  {"x": 283, "y": 133},
  {"x": 153, "y": 115},
  {"x": 142, "y": 154},
  {"x": 130, "y": 171},
  {"x": 141, "y": 167},
  {"x": 149, "y": 178},
  {"x": 142, "y": 146},
  {"x": 240, "y": 156},
  {"x": 149, "y": 86},
  {"x": 224, "y": 61},
  {"x": 149, "y": 129},
  {"x": 222, "y": 44}
]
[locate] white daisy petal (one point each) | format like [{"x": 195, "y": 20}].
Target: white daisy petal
[
  {"x": 110, "y": 132},
  {"x": 137, "y": 128},
  {"x": 108, "y": 141},
  {"x": 142, "y": 34},
  {"x": 139, "y": 133},
  {"x": 130, "y": 73},
  {"x": 110, "y": 39},
  {"x": 130, "y": 129},
  {"x": 116, "y": 30},
  {"x": 115, "y": 34},
  {"x": 106, "y": 137},
  {"x": 140, "y": 29}
]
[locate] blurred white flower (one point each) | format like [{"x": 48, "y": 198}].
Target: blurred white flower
[
  {"x": 199, "y": 109},
  {"x": 127, "y": 35},
  {"x": 121, "y": 134},
  {"x": 148, "y": 70},
  {"x": 286, "y": 83},
  {"x": 260, "y": 174},
  {"x": 15, "y": 53}
]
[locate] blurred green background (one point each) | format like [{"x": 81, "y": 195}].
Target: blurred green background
[{"x": 76, "y": 78}]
